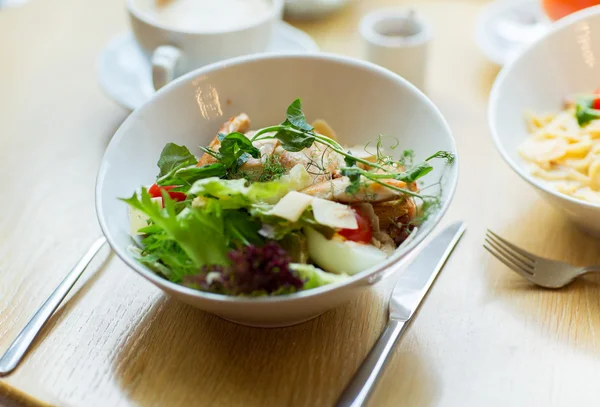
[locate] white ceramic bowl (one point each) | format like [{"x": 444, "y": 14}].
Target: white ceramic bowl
[
  {"x": 360, "y": 100},
  {"x": 563, "y": 62}
]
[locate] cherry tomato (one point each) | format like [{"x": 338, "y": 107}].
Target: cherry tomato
[
  {"x": 364, "y": 233},
  {"x": 596, "y": 104},
  {"x": 154, "y": 192}
]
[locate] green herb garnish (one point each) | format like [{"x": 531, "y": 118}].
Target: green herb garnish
[
  {"x": 295, "y": 134},
  {"x": 235, "y": 150},
  {"x": 174, "y": 157},
  {"x": 178, "y": 167},
  {"x": 186, "y": 176},
  {"x": 407, "y": 158},
  {"x": 295, "y": 116},
  {"x": 272, "y": 169},
  {"x": 584, "y": 111}
]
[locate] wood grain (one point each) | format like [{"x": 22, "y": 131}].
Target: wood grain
[{"x": 484, "y": 337}]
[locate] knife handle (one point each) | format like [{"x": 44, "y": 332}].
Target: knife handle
[{"x": 362, "y": 384}]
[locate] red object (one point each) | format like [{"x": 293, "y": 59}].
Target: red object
[
  {"x": 556, "y": 9},
  {"x": 364, "y": 233},
  {"x": 154, "y": 192},
  {"x": 596, "y": 104}
]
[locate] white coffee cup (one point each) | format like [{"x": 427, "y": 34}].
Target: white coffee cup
[{"x": 176, "y": 47}]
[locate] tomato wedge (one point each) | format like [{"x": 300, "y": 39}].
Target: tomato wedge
[
  {"x": 155, "y": 192},
  {"x": 364, "y": 233}
]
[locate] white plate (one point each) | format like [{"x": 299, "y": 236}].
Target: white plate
[
  {"x": 506, "y": 27},
  {"x": 125, "y": 74}
]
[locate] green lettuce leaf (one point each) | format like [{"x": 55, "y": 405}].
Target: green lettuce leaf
[
  {"x": 164, "y": 256},
  {"x": 315, "y": 277},
  {"x": 242, "y": 229},
  {"x": 296, "y": 246},
  {"x": 235, "y": 193},
  {"x": 231, "y": 194},
  {"x": 200, "y": 232}
]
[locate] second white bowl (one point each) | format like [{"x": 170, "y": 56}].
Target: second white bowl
[{"x": 564, "y": 62}]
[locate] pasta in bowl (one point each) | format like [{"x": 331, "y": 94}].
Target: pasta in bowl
[
  {"x": 556, "y": 148},
  {"x": 563, "y": 149}
]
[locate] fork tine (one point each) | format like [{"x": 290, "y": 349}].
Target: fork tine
[
  {"x": 510, "y": 256},
  {"x": 508, "y": 251},
  {"x": 517, "y": 270},
  {"x": 516, "y": 248},
  {"x": 509, "y": 263}
]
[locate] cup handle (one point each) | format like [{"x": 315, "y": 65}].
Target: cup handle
[{"x": 165, "y": 61}]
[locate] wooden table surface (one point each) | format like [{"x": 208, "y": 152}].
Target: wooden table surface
[{"x": 484, "y": 337}]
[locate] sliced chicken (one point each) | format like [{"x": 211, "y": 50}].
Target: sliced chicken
[
  {"x": 319, "y": 160},
  {"x": 384, "y": 241},
  {"x": 335, "y": 190},
  {"x": 396, "y": 218},
  {"x": 239, "y": 123},
  {"x": 322, "y": 127},
  {"x": 392, "y": 213}
]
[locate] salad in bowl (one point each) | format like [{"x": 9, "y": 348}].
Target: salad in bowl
[
  {"x": 259, "y": 212},
  {"x": 277, "y": 210}
]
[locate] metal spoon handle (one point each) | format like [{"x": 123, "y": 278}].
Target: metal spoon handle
[
  {"x": 360, "y": 388},
  {"x": 22, "y": 342}
]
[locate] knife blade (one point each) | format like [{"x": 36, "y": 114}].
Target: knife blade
[
  {"x": 408, "y": 294},
  {"x": 415, "y": 282}
]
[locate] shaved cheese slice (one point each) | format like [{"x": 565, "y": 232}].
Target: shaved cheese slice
[
  {"x": 327, "y": 213},
  {"x": 292, "y": 206},
  {"x": 333, "y": 214},
  {"x": 138, "y": 219}
]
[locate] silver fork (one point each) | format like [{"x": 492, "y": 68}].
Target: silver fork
[{"x": 540, "y": 271}]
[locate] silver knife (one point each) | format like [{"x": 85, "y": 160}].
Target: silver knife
[{"x": 408, "y": 294}]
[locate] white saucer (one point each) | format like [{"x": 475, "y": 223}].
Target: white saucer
[
  {"x": 125, "y": 73},
  {"x": 506, "y": 27}
]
